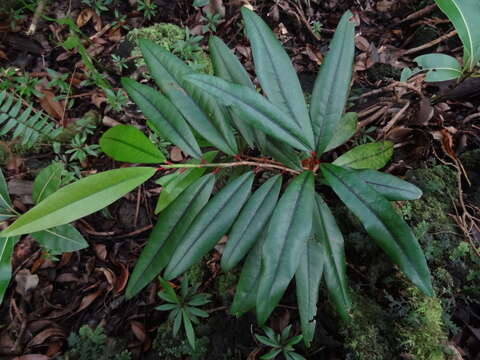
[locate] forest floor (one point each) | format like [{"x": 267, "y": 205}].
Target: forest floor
[{"x": 434, "y": 127}]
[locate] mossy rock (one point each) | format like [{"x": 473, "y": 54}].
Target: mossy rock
[{"x": 169, "y": 36}]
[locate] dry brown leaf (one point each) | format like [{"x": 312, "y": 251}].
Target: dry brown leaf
[
  {"x": 101, "y": 251},
  {"x": 26, "y": 283},
  {"x": 122, "y": 279},
  {"x": 109, "y": 275},
  {"x": 32, "y": 357},
  {"x": 176, "y": 154},
  {"x": 138, "y": 330},
  {"x": 85, "y": 16},
  {"x": 88, "y": 300},
  {"x": 41, "y": 337},
  {"x": 51, "y": 105}
]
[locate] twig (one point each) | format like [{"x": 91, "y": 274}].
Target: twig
[
  {"x": 429, "y": 44},
  {"x": 395, "y": 119},
  {"x": 471, "y": 117},
  {"x": 36, "y": 16},
  {"x": 233, "y": 164},
  {"x": 418, "y": 14}
]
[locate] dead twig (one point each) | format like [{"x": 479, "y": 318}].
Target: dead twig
[
  {"x": 429, "y": 44},
  {"x": 418, "y": 14},
  {"x": 36, "y": 17}
]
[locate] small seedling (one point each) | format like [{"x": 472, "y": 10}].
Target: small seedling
[{"x": 280, "y": 343}]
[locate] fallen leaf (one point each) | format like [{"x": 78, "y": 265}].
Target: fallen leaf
[
  {"x": 52, "y": 106},
  {"x": 26, "y": 283},
  {"x": 32, "y": 357},
  {"x": 84, "y": 17},
  {"x": 138, "y": 330},
  {"x": 101, "y": 251},
  {"x": 41, "y": 337},
  {"x": 122, "y": 279},
  {"x": 88, "y": 300},
  {"x": 176, "y": 154}
]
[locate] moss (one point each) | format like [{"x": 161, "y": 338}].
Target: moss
[
  {"x": 366, "y": 336},
  {"x": 169, "y": 36},
  {"x": 422, "y": 332},
  {"x": 225, "y": 284},
  {"x": 167, "y": 347},
  {"x": 381, "y": 71}
]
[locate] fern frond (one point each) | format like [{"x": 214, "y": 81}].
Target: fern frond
[{"x": 23, "y": 123}]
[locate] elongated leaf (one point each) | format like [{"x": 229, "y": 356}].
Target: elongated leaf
[
  {"x": 382, "y": 223},
  {"x": 6, "y": 251},
  {"x": 127, "y": 143},
  {"x": 307, "y": 283},
  {"x": 346, "y": 128},
  {"x": 168, "y": 232},
  {"x": 331, "y": 238},
  {"x": 276, "y": 73},
  {"x": 464, "y": 16},
  {"x": 79, "y": 199},
  {"x": 332, "y": 84},
  {"x": 210, "y": 225},
  {"x": 257, "y": 110},
  {"x": 60, "y": 239},
  {"x": 249, "y": 224},
  {"x": 368, "y": 156},
  {"x": 389, "y": 186},
  {"x": 283, "y": 153},
  {"x": 6, "y": 209},
  {"x": 227, "y": 67},
  {"x": 247, "y": 288},
  {"x": 288, "y": 232},
  {"x": 163, "y": 115},
  {"x": 168, "y": 72},
  {"x": 47, "y": 181},
  {"x": 439, "y": 67},
  {"x": 182, "y": 180}
]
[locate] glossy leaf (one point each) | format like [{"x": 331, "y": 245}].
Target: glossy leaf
[
  {"x": 389, "y": 186},
  {"x": 275, "y": 72},
  {"x": 250, "y": 222},
  {"x": 47, "y": 181},
  {"x": 169, "y": 71},
  {"x": 439, "y": 67},
  {"x": 127, "y": 143},
  {"x": 382, "y": 223},
  {"x": 6, "y": 251},
  {"x": 256, "y": 109},
  {"x": 287, "y": 235},
  {"x": 181, "y": 181},
  {"x": 247, "y": 287},
  {"x": 368, "y": 156},
  {"x": 464, "y": 16},
  {"x": 332, "y": 84},
  {"x": 168, "y": 232},
  {"x": 283, "y": 153},
  {"x": 163, "y": 115},
  {"x": 60, "y": 239},
  {"x": 346, "y": 128},
  {"x": 210, "y": 225},
  {"x": 307, "y": 284},
  {"x": 79, "y": 199},
  {"x": 329, "y": 235}
]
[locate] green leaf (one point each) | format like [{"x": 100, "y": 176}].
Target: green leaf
[
  {"x": 283, "y": 153},
  {"x": 6, "y": 251},
  {"x": 307, "y": 284},
  {"x": 200, "y": 3},
  {"x": 79, "y": 199},
  {"x": 168, "y": 291},
  {"x": 127, "y": 143},
  {"x": 168, "y": 232},
  {"x": 163, "y": 115},
  {"x": 169, "y": 71},
  {"x": 250, "y": 222},
  {"x": 382, "y": 223},
  {"x": 346, "y": 128},
  {"x": 331, "y": 238},
  {"x": 187, "y": 324},
  {"x": 227, "y": 67},
  {"x": 60, "y": 239},
  {"x": 288, "y": 232},
  {"x": 247, "y": 287},
  {"x": 439, "y": 67},
  {"x": 272, "y": 354},
  {"x": 368, "y": 156},
  {"x": 47, "y": 181},
  {"x": 210, "y": 225},
  {"x": 332, "y": 84},
  {"x": 276, "y": 73},
  {"x": 6, "y": 209},
  {"x": 257, "y": 110},
  {"x": 182, "y": 180},
  {"x": 464, "y": 14},
  {"x": 389, "y": 186}
]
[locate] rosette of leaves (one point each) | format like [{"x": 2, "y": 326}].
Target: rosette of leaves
[
  {"x": 284, "y": 229},
  {"x": 465, "y": 17}
]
